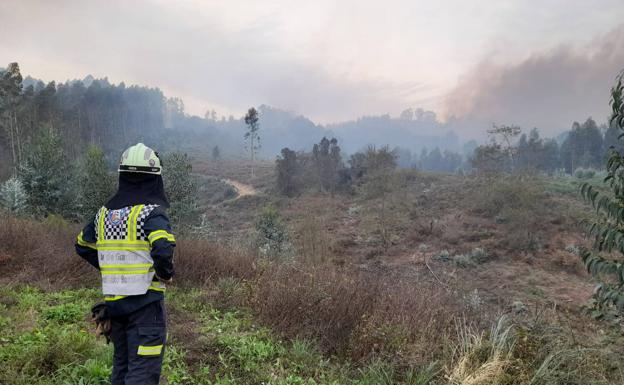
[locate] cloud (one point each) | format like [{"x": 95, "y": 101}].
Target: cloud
[{"x": 548, "y": 90}]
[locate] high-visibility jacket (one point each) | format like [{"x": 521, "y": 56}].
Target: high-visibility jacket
[{"x": 132, "y": 247}]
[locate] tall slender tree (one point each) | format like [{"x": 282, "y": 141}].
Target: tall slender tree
[
  {"x": 10, "y": 94},
  {"x": 252, "y": 136}
]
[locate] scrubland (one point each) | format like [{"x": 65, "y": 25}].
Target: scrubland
[{"x": 440, "y": 279}]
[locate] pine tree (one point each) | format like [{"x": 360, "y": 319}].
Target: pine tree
[
  {"x": 96, "y": 183},
  {"x": 272, "y": 237},
  {"x": 45, "y": 174},
  {"x": 13, "y": 196},
  {"x": 181, "y": 187}
]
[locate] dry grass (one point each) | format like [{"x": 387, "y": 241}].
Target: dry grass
[
  {"x": 357, "y": 313},
  {"x": 482, "y": 359},
  {"x": 42, "y": 253},
  {"x": 351, "y": 312}
]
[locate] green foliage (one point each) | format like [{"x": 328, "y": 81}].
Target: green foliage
[
  {"x": 582, "y": 173},
  {"x": 607, "y": 231},
  {"x": 288, "y": 173},
  {"x": 10, "y": 90},
  {"x": 65, "y": 313},
  {"x": 583, "y": 146},
  {"x": 272, "y": 237},
  {"x": 436, "y": 160},
  {"x": 372, "y": 161},
  {"x": 475, "y": 257},
  {"x": 535, "y": 153},
  {"x": 321, "y": 169},
  {"x": 13, "y": 196},
  {"x": 326, "y": 162},
  {"x": 95, "y": 182},
  {"x": 252, "y": 135},
  {"x": 181, "y": 187},
  {"x": 47, "y": 177},
  {"x": 377, "y": 373}
]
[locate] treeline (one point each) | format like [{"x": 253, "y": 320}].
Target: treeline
[
  {"x": 46, "y": 184},
  {"x": 585, "y": 146},
  {"x": 88, "y": 112},
  {"x": 109, "y": 116},
  {"x": 435, "y": 160},
  {"x": 323, "y": 169}
]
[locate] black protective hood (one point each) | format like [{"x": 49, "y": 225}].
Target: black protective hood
[{"x": 138, "y": 188}]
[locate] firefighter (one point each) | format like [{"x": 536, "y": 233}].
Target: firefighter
[{"x": 131, "y": 244}]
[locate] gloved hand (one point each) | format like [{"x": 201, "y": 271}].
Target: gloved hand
[
  {"x": 99, "y": 315},
  {"x": 165, "y": 281}
]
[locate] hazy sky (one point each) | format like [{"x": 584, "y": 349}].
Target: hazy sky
[{"x": 334, "y": 60}]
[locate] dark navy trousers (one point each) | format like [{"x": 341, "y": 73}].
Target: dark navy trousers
[{"x": 139, "y": 340}]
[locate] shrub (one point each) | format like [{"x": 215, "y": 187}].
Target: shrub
[
  {"x": 314, "y": 241},
  {"x": 516, "y": 203},
  {"x": 582, "y": 173},
  {"x": 13, "y": 196},
  {"x": 96, "y": 184},
  {"x": 181, "y": 187},
  {"x": 47, "y": 177},
  {"x": 272, "y": 238},
  {"x": 493, "y": 195},
  {"x": 357, "y": 314},
  {"x": 475, "y": 257}
]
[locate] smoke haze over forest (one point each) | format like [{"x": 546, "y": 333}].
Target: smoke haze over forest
[{"x": 537, "y": 63}]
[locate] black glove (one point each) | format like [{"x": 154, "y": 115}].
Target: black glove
[{"x": 99, "y": 315}]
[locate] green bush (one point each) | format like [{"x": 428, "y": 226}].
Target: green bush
[
  {"x": 96, "y": 184},
  {"x": 272, "y": 237},
  {"x": 476, "y": 256},
  {"x": 13, "y": 196},
  {"x": 48, "y": 178},
  {"x": 69, "y": 313},
  {"x": 582, "y": 173},
  {"x": 181, "y": 187}
]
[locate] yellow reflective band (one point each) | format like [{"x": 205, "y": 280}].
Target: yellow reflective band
[
  {"x": 149, "y": 350},
  {"x": 124, "y": 272},
  {"x": 157, "y": 286},
  {"x": 110, "y": 298},
  {"x": 80, "y": 241},
  {"x": 122, "y": 246},
  {"x": 120, "y": 242},
  {"x": 132, "y": 222},
  {"x": 160, "y": 234},
  {"x": 114, "y": 297},
  {"x": 101, "y": 231},
  {"x": 129, "y": 266}
]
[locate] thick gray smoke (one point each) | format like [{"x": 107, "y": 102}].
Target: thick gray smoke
[{"x": 548, "y": 90}]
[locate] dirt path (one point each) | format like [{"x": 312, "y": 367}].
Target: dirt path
[{"x": 243, "y": 189}]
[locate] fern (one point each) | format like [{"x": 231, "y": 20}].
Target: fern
[{"x": 608, "y": 231}]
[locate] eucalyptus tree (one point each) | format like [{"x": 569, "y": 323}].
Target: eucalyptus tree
[
  {"x": 605, "y": 261},
  {"x": 252, "y": 136}
]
